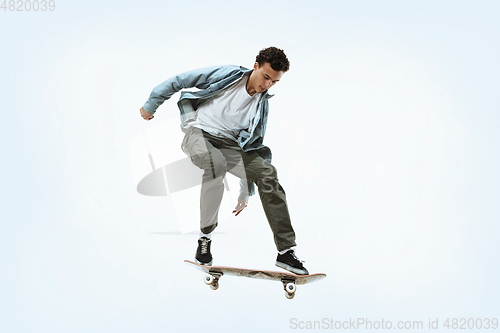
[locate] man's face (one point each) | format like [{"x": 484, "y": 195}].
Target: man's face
[{"x": 264, "y": 77}]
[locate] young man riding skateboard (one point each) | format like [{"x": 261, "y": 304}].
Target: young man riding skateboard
[{"x": 224, "y": 125}]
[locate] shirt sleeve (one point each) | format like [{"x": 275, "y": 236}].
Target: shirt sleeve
[
  {"x": 200, "y": 78},
  {"x": 247, "y": 189}
]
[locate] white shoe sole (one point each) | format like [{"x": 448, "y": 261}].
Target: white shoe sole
[
  {"x": 291, "y": 269},
  {"x": 203, "y": 263}
]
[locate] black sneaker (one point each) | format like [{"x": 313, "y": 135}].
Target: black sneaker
[
  {"x": 203, "y": 255},
  {"x": 291, "y": 263}
]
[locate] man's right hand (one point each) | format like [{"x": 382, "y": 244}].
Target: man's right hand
[{"x": 146, "y": 115}]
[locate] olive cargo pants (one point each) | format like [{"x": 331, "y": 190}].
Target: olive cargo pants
[{"x": 216, "y": 156}]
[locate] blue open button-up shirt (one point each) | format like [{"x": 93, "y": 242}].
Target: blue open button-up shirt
[{"x": 211, "y": 81}]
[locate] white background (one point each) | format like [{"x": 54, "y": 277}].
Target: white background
[{"x": 384, "y": 133}]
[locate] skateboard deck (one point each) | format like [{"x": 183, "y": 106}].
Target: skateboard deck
[{"x": 289, "y": 280}]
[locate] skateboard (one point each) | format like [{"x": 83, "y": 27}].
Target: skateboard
[{"x": 289, "y": 280}]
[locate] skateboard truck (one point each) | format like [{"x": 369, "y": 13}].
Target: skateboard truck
[
  {"x": 290, "y": 288},
  {"x": 212, "y": 279}
]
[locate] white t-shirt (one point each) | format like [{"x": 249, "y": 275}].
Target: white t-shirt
[{"x": 230, "y": 112}]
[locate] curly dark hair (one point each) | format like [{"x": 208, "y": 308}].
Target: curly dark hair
[{"x": 275, "y": 57}]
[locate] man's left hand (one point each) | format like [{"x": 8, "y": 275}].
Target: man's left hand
[{"x": 239, "y": 207}]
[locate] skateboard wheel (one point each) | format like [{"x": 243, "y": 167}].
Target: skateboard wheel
[
  {"x": 290, "y": 295},
  {"x": 290, "y": 288},
  {"x": 214, "y": 285},
  {"x": 209, "y": 279}
]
